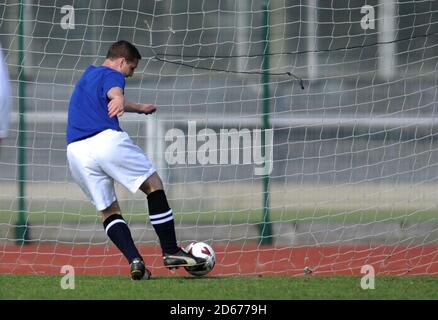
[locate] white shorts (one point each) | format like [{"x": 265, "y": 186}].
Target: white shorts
[{"x": 99, "y": 160}]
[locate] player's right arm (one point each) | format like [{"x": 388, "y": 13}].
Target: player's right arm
[
  {"x": 145, "y": 108},
  {"x": 116, "y": 106}
]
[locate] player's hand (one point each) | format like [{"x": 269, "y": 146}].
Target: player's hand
[
  {"x": 116, "y": 107},
  {"x": 146, "y": 108}
]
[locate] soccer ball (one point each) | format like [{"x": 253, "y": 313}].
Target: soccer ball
[{"x": 201, "y": 250}]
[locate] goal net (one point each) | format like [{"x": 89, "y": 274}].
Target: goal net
[{"x": 292, "y": 136}]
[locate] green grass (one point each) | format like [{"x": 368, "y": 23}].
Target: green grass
[
  {"x": 218, "y": 288},
  {"x": 248, "y": 216}
]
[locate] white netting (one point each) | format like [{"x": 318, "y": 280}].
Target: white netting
[{"x": 354, "y": 164}]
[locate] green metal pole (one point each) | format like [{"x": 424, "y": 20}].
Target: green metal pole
[
  {"x": 266, "y": 229},
  {"x": 21, "y": 228}
]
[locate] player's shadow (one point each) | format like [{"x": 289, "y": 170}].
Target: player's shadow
[{"x": 191, "y": 278}]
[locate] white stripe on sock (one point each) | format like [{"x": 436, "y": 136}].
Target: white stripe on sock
[
  {"x": 160, "y": 215},
  {"x": 162, "y": 220},
  {"x": 113, "y": 223}
]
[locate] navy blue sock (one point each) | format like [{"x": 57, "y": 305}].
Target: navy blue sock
[
  {"x": 119, "y": 233},
  {"x": 162, "y": 220}
]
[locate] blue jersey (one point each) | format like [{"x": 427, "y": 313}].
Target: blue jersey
[{"x": 88, "y": 109}]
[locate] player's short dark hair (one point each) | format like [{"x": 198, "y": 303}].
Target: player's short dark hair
[{"x": 123, "y": 49}]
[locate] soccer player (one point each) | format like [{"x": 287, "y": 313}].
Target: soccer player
[
  {"x": 5, "y": 98},
  {"x": 99, "y": 152}
]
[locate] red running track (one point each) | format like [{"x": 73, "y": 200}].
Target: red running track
[{"x": 232, "y": 259}]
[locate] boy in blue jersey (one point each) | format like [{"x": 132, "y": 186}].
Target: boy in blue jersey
[{"x": 99, "y": 152}]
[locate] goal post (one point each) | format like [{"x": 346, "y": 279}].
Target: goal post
[
  {"x": 266, "y": 229},
  {"x": 290, "y": 135},
  {"x": 21, "y": 225}
]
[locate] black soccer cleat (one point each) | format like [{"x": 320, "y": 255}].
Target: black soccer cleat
[
  {"x": 138, "y": 270},
  {"x": 182, "y": 258}
]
